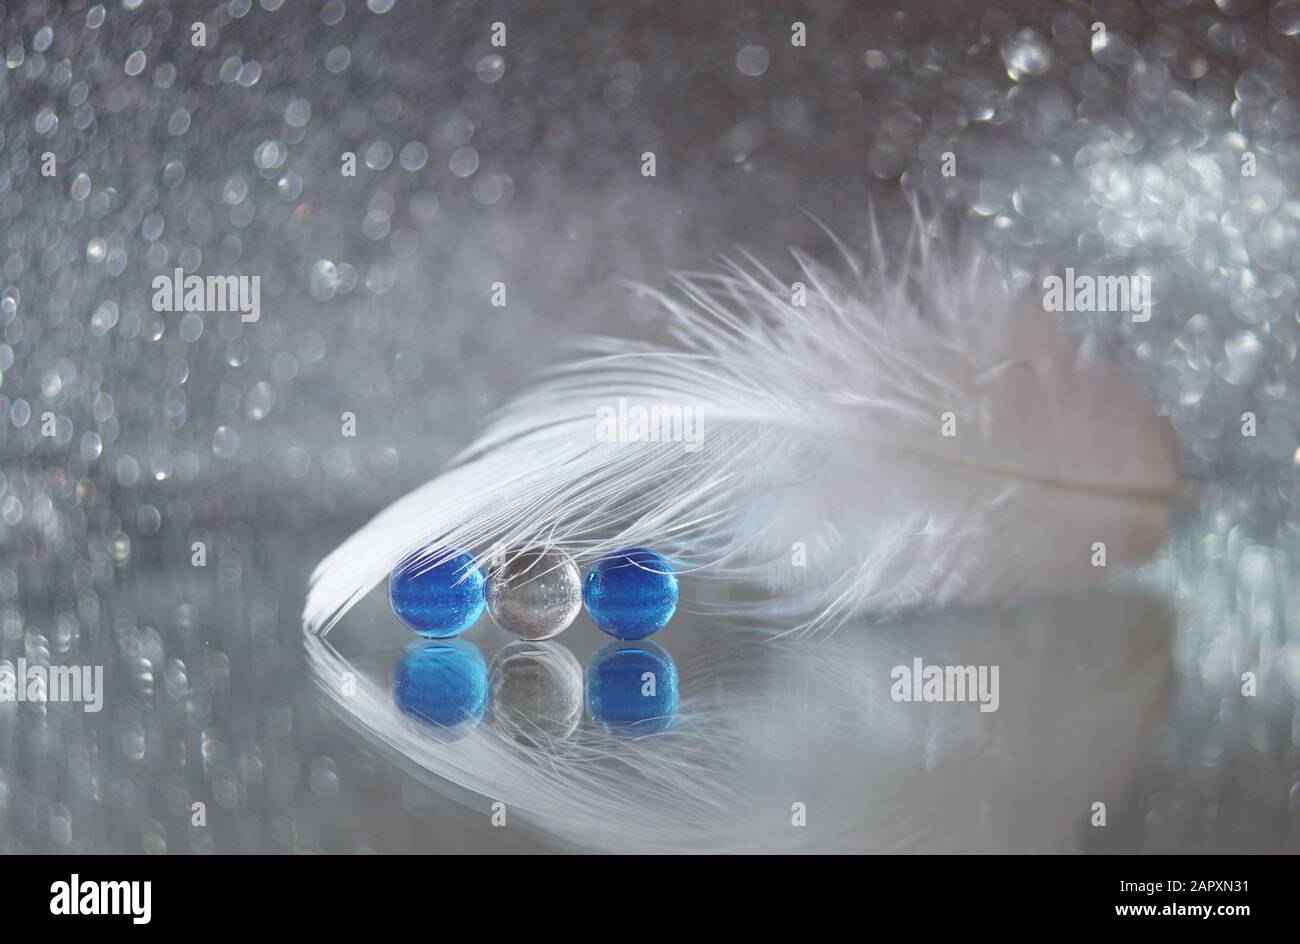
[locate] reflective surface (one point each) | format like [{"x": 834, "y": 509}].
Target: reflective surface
[
  {"x": 632, "y": 686},
  {"x": 754, "y": 727},
  {"x": 536, "y": 691},
  {"x": 197, "y": 468},
  {"x": 443, "y": 685}
]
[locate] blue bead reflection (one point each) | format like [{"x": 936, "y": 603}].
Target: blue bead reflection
[
  {"x": 631, "y": 594},
  {"x": 442, "y": 685},
  {"x": 437, "y": 601},
  {"x": 633, "y": 686}
]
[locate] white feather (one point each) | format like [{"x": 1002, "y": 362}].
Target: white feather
[
  {"x": 822, "y": 435},
  {"x": 822, "y": 428}
]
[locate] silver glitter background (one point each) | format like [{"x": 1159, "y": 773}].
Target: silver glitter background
[{"x": 522, "y": 165}]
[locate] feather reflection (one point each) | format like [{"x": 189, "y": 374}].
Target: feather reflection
[{"x": 745, "y": 731}]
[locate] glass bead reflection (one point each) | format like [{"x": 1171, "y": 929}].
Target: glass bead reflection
[
  {"x": 536, "y": 691},
  {"x": 437, "y": 601},
  {"x": 535, "y": 594},
  {"x": 633, "y": 686},
  {"x": 442, "y": 685}
]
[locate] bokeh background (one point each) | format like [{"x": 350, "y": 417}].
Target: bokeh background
[{"x": 1114, "y": 153}]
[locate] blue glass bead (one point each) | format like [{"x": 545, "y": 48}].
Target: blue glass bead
[
  {"x": 633, "y": 686},
  {"x": 631, "y": 594},
  {"x": 437, "y": 601},
  {"x": 442, "y": 685}
]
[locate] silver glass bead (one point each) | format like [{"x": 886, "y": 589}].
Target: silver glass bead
[{"x": 534, "y": 594}]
